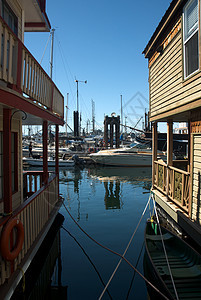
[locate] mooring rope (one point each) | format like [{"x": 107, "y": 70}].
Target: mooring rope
[
  {"x": 91, "y": 262},
  {"x": 157, "y": 218},
  {"x": 114, "y": 252},
  {"x": 139, "y": 256},
  {"x": 115, "y": 270}
]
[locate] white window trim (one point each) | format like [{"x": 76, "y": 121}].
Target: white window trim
[{"x": 185, "y": 41}]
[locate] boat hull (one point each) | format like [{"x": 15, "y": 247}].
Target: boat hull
[
  {"x": 184, "y": 261},
  {"x": 123, "y": 160},
  {"x": 51, "y": 163}
]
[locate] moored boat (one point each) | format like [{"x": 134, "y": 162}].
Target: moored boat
[
  {"x": 135, "y": 155},
  {"x": 51, "y": 162},
  {"x": 183, "y": 260}
]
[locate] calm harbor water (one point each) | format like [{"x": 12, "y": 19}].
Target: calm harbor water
[{"x": 107, "y": 203}]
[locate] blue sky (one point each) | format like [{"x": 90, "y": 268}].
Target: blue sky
[{"x": 101, "y": 42}]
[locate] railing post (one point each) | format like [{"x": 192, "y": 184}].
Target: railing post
[
  {"x": 183, "y": 188},
  {"x": 45, "y": 153},
  {"x": 35, "y": 183},
  {"x": 30, "y": 183},
  {"x": 156, "y": 170},
  {"x": 172, "y": 183},
  {"x": 57, "y": 150},
  {"x": 19, "y": 67},
  {"x": 164, "y": 178},
  {"x": 154, "y": 149},
  {"x": 169, "y": 152},
  {"x": 7, "y": 168}
]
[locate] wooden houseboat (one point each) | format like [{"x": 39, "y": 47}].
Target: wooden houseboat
[
  {"x": 29, "y": 201},
  {"x": 174, "y": 60}
]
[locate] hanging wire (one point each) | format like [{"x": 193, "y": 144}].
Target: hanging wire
[
  {"x": 45, "y": 48},
  {"x": 91, "y": 262},
  {"x": 115, "y": 270},
  {"x": 157, "y": 218},
  {"x": 64, "y": 65},
  {"x": 132, "y": 280},
  {"x": 114, "y": 252}
]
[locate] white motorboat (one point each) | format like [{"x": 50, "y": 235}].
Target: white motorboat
[
  {"x": 135, "y": 155},
  {"x": 51, "y": 162}
]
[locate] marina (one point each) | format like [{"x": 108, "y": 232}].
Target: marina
[
  {"x": 100, "y": 203},
  {"x": 107, "y": 203}
]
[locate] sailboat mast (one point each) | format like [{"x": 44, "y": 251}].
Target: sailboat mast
[
  {"x": 51, "y": 55},
  {"x": 67, "y": 113}
]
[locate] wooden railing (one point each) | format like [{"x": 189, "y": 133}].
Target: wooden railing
[
  {"x": 173, "y": 182},
  {"x": 20, "y": 69},
  {"x": 32, "y": 182},
  {"x": 33, "y": 213}
]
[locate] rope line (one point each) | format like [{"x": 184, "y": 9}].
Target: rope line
[
  {"x": 87, "y": 258},
  {"x": 175, "y": 291},
  {"x": 132, "y": 280},
  {"x": 45, "y": 49},
  {"x": 114, "y": 252},
  {"x": 115, "y": 270}
]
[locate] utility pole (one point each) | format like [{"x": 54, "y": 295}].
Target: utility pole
[
  {"x": 80, "y": 123},
  {"x": 121, "y": 115},
  {"x": 76, "y": 113},
  {"x": 51, "y": 55},
  {"x": 51, "y": 68},
  {"x": 125, "y": 126},
  {"x": 93, "y": 115},
  {"x": 67, "y": 112}
]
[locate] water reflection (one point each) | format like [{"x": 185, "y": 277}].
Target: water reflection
[
  {"x": 112, "y": 197},
  {"x": 111, "y": 178},
  {"x": 107, "y": 203},
  {"x": 43, "y": 278},
  {"x": 140, "y": 175},
  {"x": 72, "y": 175}
]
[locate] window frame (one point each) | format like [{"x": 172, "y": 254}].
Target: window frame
[
  {"x": 12, "y": 18},
  {"x": 186, "y": 40}
]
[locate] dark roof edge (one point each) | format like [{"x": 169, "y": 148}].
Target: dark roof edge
[{"x": 170, "y": 12}]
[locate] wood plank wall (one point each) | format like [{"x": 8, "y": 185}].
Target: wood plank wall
[{"x": 168, "y": 89}]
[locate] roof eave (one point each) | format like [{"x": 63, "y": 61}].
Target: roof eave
[{"x": 173, "y": 9}]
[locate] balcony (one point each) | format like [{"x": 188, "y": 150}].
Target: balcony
[
  {"x": 40, "y": 202},
  {"x": 173, "y": 183},
  {"x": 24, "y": 75}
]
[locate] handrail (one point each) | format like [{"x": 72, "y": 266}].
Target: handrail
[
  {"x": 23, "y": 73},
  {"x": 162, "y": 163},
  {"x": 33, "y": 213},
  {"x": 3, "y": 220},
  {"x": 174, "y": 183}
]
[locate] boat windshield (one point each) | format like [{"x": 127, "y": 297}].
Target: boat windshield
[{"x": 138, "y": 145}]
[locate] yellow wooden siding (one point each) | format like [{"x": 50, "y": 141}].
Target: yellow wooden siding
[
  {"x": 166, "y": 77},
  {"x": 196, "y": 179},
  {"x": 167, "y": 88}
]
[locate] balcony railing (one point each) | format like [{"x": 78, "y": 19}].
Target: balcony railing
[
  {"x": 33, "y": 213},
  {"x": 20, "y": 69},
  {"x": 174, "y": 183}
]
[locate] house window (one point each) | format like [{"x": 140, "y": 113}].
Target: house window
[
  {"x": 8, "y": 16},
  {"x": 14, "y": 166},
  {"x": 191, "y": 36}
]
